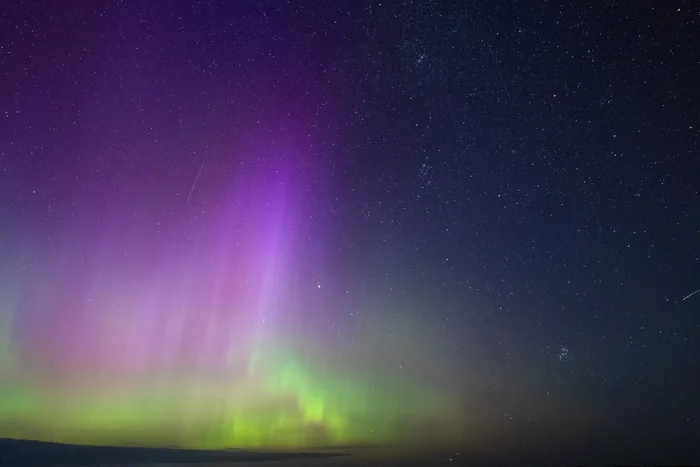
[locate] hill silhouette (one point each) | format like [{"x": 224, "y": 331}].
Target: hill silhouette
[{"x": 25, "y": 453}]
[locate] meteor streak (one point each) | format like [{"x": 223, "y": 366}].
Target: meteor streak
[
  {"x": 690, "y": 295},
  {"x": 195, "y": 182}
]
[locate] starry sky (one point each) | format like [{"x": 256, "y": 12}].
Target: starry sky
[{"x": 291, "y": 224}]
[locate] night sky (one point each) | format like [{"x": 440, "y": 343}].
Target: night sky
[{"x": 292, "y": 224}]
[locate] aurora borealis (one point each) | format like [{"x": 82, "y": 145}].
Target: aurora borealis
[
  {"x": 412, "y": 226},
  {"x": 173, "y": 281},
  {"x": 131, "y": 333}
]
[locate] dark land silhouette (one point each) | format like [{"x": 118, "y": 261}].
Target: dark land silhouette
[{"x": 24, "y": 453}]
